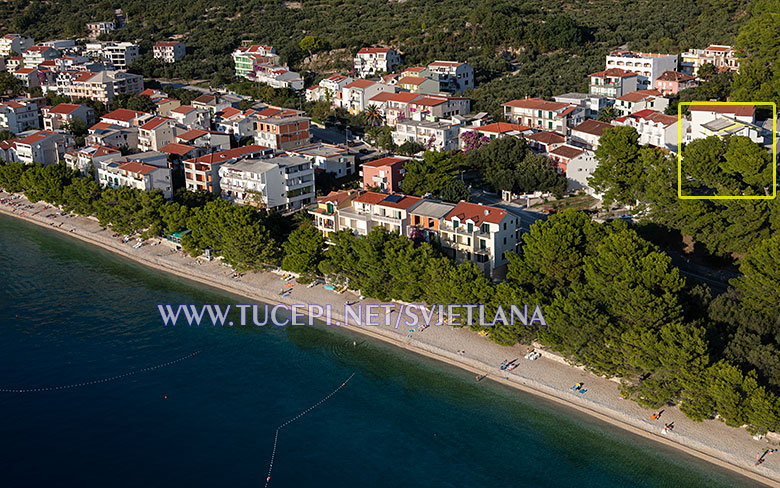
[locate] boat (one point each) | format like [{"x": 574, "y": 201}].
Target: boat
[{"x": 329, "y": 287}]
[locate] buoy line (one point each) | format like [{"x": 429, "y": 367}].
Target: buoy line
[
  {"x": 276, "y": 435},
  {"x": 95, "y": 382}
]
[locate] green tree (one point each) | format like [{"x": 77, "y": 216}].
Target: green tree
[
  {"x": 309, "y": 44},
  {"x": 80, "y": 196},
  {"x": 303, "y": 250},
  {"x": 11, "y": 176},
  {"x": 759, "y": 282},
  {"x": 430, "y": 174},
  {"x": 618, "y": 176},
  {"x": 607, "y": 114},
  {"x": 455, "y": 191}
]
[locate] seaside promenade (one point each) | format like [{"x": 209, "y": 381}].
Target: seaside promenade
[{"x": 549, "y": 376}]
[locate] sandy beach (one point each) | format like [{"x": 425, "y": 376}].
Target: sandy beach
[{"x": 549, "y": 376}]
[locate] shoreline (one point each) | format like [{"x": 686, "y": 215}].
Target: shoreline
[{"x": 548, "y": 377}]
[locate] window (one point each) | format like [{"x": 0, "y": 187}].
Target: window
[{"x": 470, "y": 227}]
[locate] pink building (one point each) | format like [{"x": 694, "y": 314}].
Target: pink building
[
  {"x": 671, "y": 82},
  {"x": 385, "y": 174}
]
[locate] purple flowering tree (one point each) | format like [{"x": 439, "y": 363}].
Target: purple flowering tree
[{"x": 472, "y": 140}]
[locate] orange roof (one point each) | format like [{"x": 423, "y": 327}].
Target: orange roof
[
  {"x": 176, "y": 148},
  {"x": 404, "y": 97},
  {"x": 675, "y": 76},
  {"x": 546, "y": 137},
  {"x": 223, "y": 156},
  {"x": 373, "y": 50},
  {"x": 25, "y": 71},
  {"x": 64, "y": 108},
  {"x": 154, "y": 123},
  {"x": 411, "y": 80},
  {"x": 183, "y": 109},
  {"x": 228, "y": 112},
  {"x": 101, "y": 125},
  {"x": 429, "y": 102},
  {"x": 594, "y": 127},
  {"x": 567, "y": 152},
  {"x": 614, "y": 72},
  {"x": 37, "y": 137},
  {"x": 502, "y": 127},
  {"x": 536, "y": 104},
  {"x": 337, "y": 197},
  {"x": 360, "y": 84},
  {"x": 476, "y": 213},
  {"x": 639, "y": 95},
  {"x": 371, "y": 197},
  {"x": 716, "y": 47},
  {"x": 137, "y": 168},
  {"x": 381, "y": 97},
  {"x": 405, "y": 202},
  {"x": 737, "y": 110},
  {"x": 123, "y": 114},
  {"x": 386, "y": 161}
]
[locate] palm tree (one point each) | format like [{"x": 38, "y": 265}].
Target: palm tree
[{"x": 373, "y": 116}]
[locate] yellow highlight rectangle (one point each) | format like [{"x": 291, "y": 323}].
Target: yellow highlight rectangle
[{"x": 726, "y": 197}]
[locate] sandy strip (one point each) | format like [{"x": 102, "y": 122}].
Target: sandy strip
[{"x": 549, "y": 376}]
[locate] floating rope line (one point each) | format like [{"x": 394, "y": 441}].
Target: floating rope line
[
  {"x": 276, "y": 435},
  {"x": 95, "y": 382}
]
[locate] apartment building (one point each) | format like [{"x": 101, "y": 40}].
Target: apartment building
[
  {"x": 14, "y": 44},
  {"x": 190, "y": 117},
  {"x": 169, "y": 51},
  {"x": 136, "y": 175},
  {"x": 210, "y": 139},
  {"x": 588, "y": 133},
  {"x": 452, "y": 76},
  {"x": 654, "y": 128},
  {"x": 283, "y": 133},
  {"x": 29, "y": 77},
  {"x": 96, "y": 29},
  {"x": 102, "y": 86},
  {"x": 355, "y": 95},
  {"x": 441, "y": 135},
  {"x": 275, "y": 76},
  {"x": 370, "y": 61},
  {"x": 328, "y": 158},
  {"x": 543, "y": 114},
  {"x": 578, "y": 169},
  {"x": 724, "y": 120},
  {"x": 641, "y": 100},
  {"x": 155, "y": 133},
  {"x": 481, "y": 234},
  {"x": 397, "y": 107},
  {"x": 543, "y": 141},
  {"x": 613, "y": 83},
  {"x": 123, "y": 117},
  {"x": 33, "y": 56},
  {"x": 648, "y": 66},
  {"x": 330, "y": 89},
  {"x": 17, "y": 117},
  {"x": 563, "y": 155},
  {"x": 372, "y": 209},
  {"x": 246, "y": 57},
  {"x": 202, "y": 173},
  {"x": 85, "y": 160},
  {"x": 326, "y": 213},
  {"x": 279, "y": 183},
  {"x": 45, "y": 147},
  {"x": 56, "y": 117},
  {"x": 720, "y": 56},
  {"x": 418, "y": 84},
  {"x": 120, "y": 54},
  {"x": 494, "y": 130},
  {"x": 671, "y": 82},
  {"x": 384, "y": 174}
]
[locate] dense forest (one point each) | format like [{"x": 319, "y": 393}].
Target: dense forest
[{"x": 518, "y": 48}]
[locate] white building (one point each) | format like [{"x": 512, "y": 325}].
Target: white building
[
  {"x": 355, "y": 95},
  {"x": 169, "y": 51},
  {"x": 102, "y": 86},
  {"x": 654, "y": 128},
  {"x": 452, "y": 75},
  {"x": 35, "y": 55},
  {"x": 722, "y": 57},
  {"x": 613, "y": 83},
  {"x": 588, "y": 133},
  {"x": 155, "y": 134},
  {"x": 442, "y": 135},
  {"x": 96, "y": 29},
  {"x": 86, "y": 159},
  {"x": 543, "y": 114},
  {"x": 120, "y": 54},
  {"x": 330, "y": 89},
  {"x": 275, "y": 76},
  {"x": 372, "y": 60},
  {"x": 579, "y": 169},
  {"x": 648, "y": 66},
  {"x": 279, "y": 183},
  {"x": 591, "y": 103},
  {"x": 202, "y": 173},
  {"x": 65, "y": 113},
  {"x": 14, "y": 44},
  {"x": 336, "y": 160},
  {"x": 17, "y": 117},
  {"x": 137, "y": 175},
  {"x": 191, "y": 117},
  {"x": 641, "y": 100},
  {"x": 45, "y": 147},
  {"x": 723, "y": 120}
]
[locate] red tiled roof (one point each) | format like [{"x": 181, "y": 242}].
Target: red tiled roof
[
  {"x": 64, "y": 108},
  {"x": 464, "y": 211},
  {"x": 502, "y": 127},
  {"x": 652, "y": 116},
  {"x": 337, "y": 197},
  {"x": 137, "y": 168},
  {"x": 25, "y": 71},
  {"x": 737, "y": 110},
  {"x": 546, "y": 137},
  {"x": 223, "y": 156},
  {"x": 386, "y": 161},
  {"x": 593, "y": 127},
  {"x": 371, "y": 197},
  {"x": 446, "y": 63},
  {"x": 536, "y": 104},
  {"x": 639, "y": 95},
  {"x": 675, "y": 76},
  {"x": 37, "y": 137},
  {"x": 429, "y": 102},
  {"x": 373, "y": 50},
  {"x": 154, "y": 123},
  {"x": 101, "y": 125},
  {"x": 205, "y": 98},
  {"x": 567, "y": 152},
  {"x": 405, "y": 202},
  {"x": 613, "y": 72},
  {"x": 404, "y": 97},
  {"x": 381, "y": 97},
  {"x": 360, "y": 84},
  {"x": 176, "y": 148},
  {"x": 411, "y": 80},
  {"x": 183, "y": 109},
  {"x": 228, "y": 112},
  {"x": 166, "y": 43},
  {"x": 123, "y": 115},
  {"x": 715, "y": 47}
]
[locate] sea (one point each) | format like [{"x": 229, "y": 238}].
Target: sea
[{"x": 112, "y": 397}]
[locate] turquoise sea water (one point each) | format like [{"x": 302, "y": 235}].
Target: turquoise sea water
[{"x": 71, "y": 313}]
